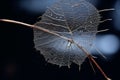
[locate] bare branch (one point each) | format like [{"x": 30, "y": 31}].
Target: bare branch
[
  {"x": 36, "y": 27},
  {"x": 63, "y": 37}
]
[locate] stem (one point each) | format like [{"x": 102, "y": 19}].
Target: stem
[
  {"x": 36, "y": 27},
  {"x": 92, "y": 59},
  {"x": 63, "y": 37}
]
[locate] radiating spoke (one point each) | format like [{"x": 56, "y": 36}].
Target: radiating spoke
[{"x": 54, "y": 18}]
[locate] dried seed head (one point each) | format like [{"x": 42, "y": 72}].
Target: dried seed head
[{"x": 75, "y": 19}]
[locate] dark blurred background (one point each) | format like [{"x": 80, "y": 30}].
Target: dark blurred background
[{"x": 20, "y": 61}]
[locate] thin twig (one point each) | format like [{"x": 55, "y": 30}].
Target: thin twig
[
  {"x": 63, "y": 37},
  {"x": 36, "y": 27},
  {"x": 91, "y": 58}
]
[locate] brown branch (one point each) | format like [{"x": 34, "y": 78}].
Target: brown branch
[
  {"x": 63, "y": 37},
  {"x": 36, "y": 27}
]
